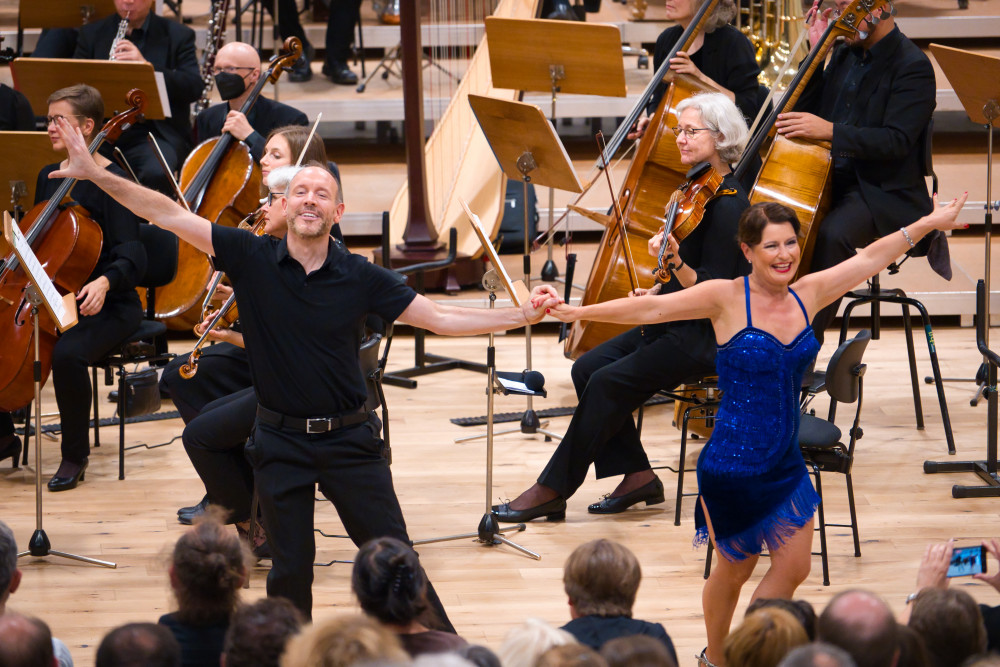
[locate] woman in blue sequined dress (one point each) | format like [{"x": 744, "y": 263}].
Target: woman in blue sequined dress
[{"x": 752, "y": 481}]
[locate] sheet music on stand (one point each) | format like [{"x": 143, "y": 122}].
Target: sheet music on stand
[{"x": 61, "y": 308}]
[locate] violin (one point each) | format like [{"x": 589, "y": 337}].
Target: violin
[
  {"x": 686, "y": 210},
  {"x": 67, "y": 243},
  {"x": 221, "y": 182}
]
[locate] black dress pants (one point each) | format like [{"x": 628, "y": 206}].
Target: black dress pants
[
  {"x": 214, "y": 441},
  {"x": 223, "y": 369},
  {"x": 351, "y": 472},
  {"x": 79, "y": 347},
  {"x": 340, "y": 30},
  {"x": 847, "y": 227},
  {"x": 612, "y": 380}
]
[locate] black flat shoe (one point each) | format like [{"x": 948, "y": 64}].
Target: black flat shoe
[
  {"x": 554, "y": 510},
  {"x": 12, "y": 449},
  {"x": 187, "y": 515},
  {"x": 68, "y": 476},
  {"x": 652, "y": 493},
  {"x": 301, "y": 71}
]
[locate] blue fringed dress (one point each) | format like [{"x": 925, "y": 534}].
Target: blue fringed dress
[{"x": 751, "y": 475}]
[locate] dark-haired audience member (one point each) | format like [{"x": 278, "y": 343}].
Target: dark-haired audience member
[
  {"x": 912, "y": 650},
  {"x": 15, "y": 110},
  {"x": 817, "y": 654},
  {"x": 862, "y": 624},
  {"x": 139, "y": 645},
  {"x": 933, "y": 574},
  {"x": 259, "y": 632},
  {"x": 800, "y": 609},
  {"x": 763, "y": 638},
  {"x": 343, "y": 641},
  {"x": 10, "y": 579},
  {"x": 950, "y": 624},
  {"x": 480, "y": 656},
  {"x": 571, "y": 655},
  {"x": 391, "y": 587},
  {"x": 601, "y": 579},
  {"x": 207, "y": 569},
  {"x": 27, "y": 642},
  {"x": 636, "y": 651}
]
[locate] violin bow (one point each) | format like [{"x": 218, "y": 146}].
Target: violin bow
[
  {"x": 312, "y": 133},
  {"x": 619, "y": 216}
]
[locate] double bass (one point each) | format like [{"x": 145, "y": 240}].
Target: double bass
[
  {"x": 798, "y": 172},
  {"x": 655, "y": 172},
  {"x": 220, "y": 182},
  {"x": 67, "y": 243}
]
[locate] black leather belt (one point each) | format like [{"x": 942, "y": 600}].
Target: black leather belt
[{"x": 314, "y": 424}]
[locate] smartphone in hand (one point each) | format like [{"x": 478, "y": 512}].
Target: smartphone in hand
[{"x": 966, "y": 561}]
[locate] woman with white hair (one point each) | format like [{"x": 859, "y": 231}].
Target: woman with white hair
[{"x": 615, "y": 378}]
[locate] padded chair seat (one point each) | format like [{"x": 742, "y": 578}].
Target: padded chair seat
[{"x": 816, "y": 433}]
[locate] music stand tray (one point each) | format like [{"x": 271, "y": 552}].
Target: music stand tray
[
  {"x": 976, "y": 80},
  {"x": 37, "y": 78}
]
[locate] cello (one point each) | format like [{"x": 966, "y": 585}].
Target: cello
[
  {"x": 221, "y": 182},
  {"x": 655, "y": 172},
  {"x": 68, "y": 244}
]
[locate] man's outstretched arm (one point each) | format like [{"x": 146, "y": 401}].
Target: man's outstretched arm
[{"x": 147, "y": 204}]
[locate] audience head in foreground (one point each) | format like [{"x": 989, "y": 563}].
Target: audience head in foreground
[
  {"x": 343, "y": 641},
  {"x": 139, "y": 645},
  {"x": 763, "y": 638},
  {"x": 862, "y": 624}
]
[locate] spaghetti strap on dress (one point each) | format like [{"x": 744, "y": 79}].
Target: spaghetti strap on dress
[{"x": 751, "y": 475}]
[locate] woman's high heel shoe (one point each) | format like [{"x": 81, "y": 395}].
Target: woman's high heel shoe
[
  {"x": 11, "y": 448},
  {"x": 68, "y": 476}
]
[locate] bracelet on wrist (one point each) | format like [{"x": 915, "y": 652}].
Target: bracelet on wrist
[{"x": 906, "y": 235}]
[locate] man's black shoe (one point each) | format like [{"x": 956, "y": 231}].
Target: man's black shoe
[
  {"x": 301, "y": 71},
  {"x": 340, "y": 74},
  {"x": 187, "y": 515}
]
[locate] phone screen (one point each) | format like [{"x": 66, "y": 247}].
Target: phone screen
[{"x": 966, "y": 561}]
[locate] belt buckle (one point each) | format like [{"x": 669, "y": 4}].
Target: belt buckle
[{"x": 319, "y": 425}]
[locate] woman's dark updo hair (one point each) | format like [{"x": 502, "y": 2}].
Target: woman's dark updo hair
[
  {"x": 760, "y": 215},
  {"x": 389, "y": 581},
  {"x": 209, "y": 567}
]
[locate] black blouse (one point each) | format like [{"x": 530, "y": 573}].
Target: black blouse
[
  {"x": 726, "y": 57},
  {"x": 123, "y": 257}
]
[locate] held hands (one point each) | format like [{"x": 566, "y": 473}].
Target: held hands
[
  {"x": 81, "y": 163},
  {"x": 237, "y": 125},
  {"x": 91, "y": 296},
  {"x": 805, "y": 125},
  {"x": 543, "y": 298}
]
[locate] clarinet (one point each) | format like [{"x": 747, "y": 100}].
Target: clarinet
[
  {"x": 214, "y": 38},
  {"x": 122, "y": 27}
]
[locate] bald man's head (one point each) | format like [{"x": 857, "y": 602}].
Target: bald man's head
[{"x": 862, "y": 624}]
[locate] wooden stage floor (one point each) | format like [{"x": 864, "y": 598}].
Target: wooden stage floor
[{"x": 441, "y": 487}]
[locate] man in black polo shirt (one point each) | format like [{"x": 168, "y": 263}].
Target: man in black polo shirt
[{"x": 302, "y": 303}]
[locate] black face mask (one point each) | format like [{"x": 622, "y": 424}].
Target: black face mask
[{"x": 230, "y": 85}]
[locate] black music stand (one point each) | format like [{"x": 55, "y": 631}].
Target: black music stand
[
  {"x": 41, "y": 291},
  {"x": 528, "y": 149},
  {"x": 976, "y": 80},
  {"x": 555, "y": 57}
]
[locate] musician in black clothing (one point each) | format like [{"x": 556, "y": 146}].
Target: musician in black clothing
[
  {"x": 339, "y": 36},
  {"x": 721, "y": 57},
  {"x": 616, "y": 377},
  {"x": 109, "y": 308},
  {"x": 15, "y": 110},
  {"x": 302, "y": 303},
  {"x": 169, "y": 46},
  {"x": 874, "y": 102},
  {"x": 237, "y": 70}
]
